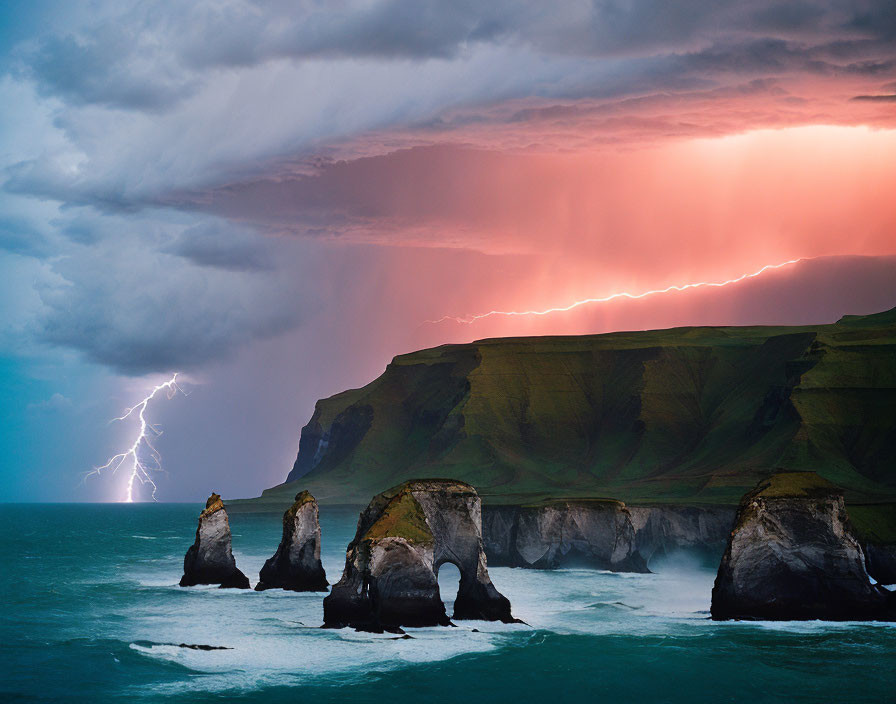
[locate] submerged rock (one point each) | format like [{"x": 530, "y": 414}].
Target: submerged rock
[
  {"x": 594, "y": 533},
  {"x": 793, "y": 556},
  {"x": 209, "y": 559},
  {"x": 404, "y": 536},
  {"x": 296, "y": 564}
]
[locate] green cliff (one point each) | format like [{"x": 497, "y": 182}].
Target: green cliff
[{"x": 687, "y": 415}]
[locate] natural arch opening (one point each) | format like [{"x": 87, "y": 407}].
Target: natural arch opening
[{"x": 449, "y": 584}]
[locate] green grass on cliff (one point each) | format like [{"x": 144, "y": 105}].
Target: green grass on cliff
[
  {"x": 874, "y": 523},
  {"x": 403, "y": 517},
  {"x": 687, "y": 415},
  {"x": 795, "y": 484}
]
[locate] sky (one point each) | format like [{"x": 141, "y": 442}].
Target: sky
[{"x": 273, "y": 198}]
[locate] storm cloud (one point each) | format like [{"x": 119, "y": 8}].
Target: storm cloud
[{"x": 163, "y": 157}]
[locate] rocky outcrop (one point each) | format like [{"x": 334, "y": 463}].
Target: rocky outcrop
[
  {"x": 296, "y": 564},
  {"x": 599, "y": 533},
  {"x": 403, "y": 537},
  {"x": 594, "y": 533},
  {"x": 209, "y": 560},
  {"x": 661, "y": 530},
  {"x": 792, "y": 556}
]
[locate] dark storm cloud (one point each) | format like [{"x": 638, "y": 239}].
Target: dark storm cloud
[
  {"x": 390, "y": 29},
  {"x": 224, "y": 246},
  {"x": 19, "y": 236},
  {"x": 151, "y": 57},
  {"x": 81, "y": 230},
  {"x": 138, "y": 311},
  {"x": 435, "y": 29},
  {"x": 105, "y": 69}
]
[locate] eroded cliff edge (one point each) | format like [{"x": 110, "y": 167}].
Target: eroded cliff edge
[{"x": 600, "y": 533}]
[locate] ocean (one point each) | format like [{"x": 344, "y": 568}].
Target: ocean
[{"x": 91, "y": 611}]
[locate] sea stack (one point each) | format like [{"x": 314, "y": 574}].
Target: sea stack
[
  {"x": 792, "y": 556},
  {"x": 209, "y": 559},
  {"x": 296, "y": 564},
  {"x": 391, "y": 570}
]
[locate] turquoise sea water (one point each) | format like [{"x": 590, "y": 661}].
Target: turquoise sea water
[{"x": 91, "y": 611}]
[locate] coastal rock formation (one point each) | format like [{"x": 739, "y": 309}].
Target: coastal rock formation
[
  {"x": 661, "y": 530},
  {"x": 404, "y": 535},
  {"x": 792, "y": 556},
  {"x": 296, "y": 564},
  {"x": 564, "y": 533},
  {"x": 209, "y": 560},
  {"x": 600, "y": 533}
]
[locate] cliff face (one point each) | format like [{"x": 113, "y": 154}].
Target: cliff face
[
  {"x": 582, "y": 533},
  {"x": 602, "y": 534},
  {"x": 660, "y": 530},
  {"x": 391, "y": 568},
  {"x": 689, "y": 415},
  {"x": 792, "y": 555}
]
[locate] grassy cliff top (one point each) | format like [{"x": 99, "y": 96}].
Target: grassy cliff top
[
  {"x": 403, "y": 517},
  {"x": 874, "y": 523},
  {"x": 796, "y": 485}
]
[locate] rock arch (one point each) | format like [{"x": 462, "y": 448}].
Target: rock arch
[
  {"x": 449, "y": 582},
  {"x": 404, "y": 535}
]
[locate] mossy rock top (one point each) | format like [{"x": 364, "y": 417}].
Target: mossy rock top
[
  {"x": 454, "y": 486},
  {"x": 794, "y": 485},
  {"x": 402, "y": 517},
  {"x": 302, "y": 498},
  {"x": 213, "y": 504}
]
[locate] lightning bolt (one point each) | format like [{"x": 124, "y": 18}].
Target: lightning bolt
[
  {"x": 142, "y": 448},
  {"x": 613, "y": 296}
]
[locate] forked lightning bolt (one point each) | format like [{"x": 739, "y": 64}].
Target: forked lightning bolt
[
  {"x": 622, "y": 294},
  {"x": 141, "y": 457}
]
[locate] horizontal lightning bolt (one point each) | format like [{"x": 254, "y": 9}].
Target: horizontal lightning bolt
[
  {"x": 613, "y": 296},
  {"x": 142, "y": 445}
]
